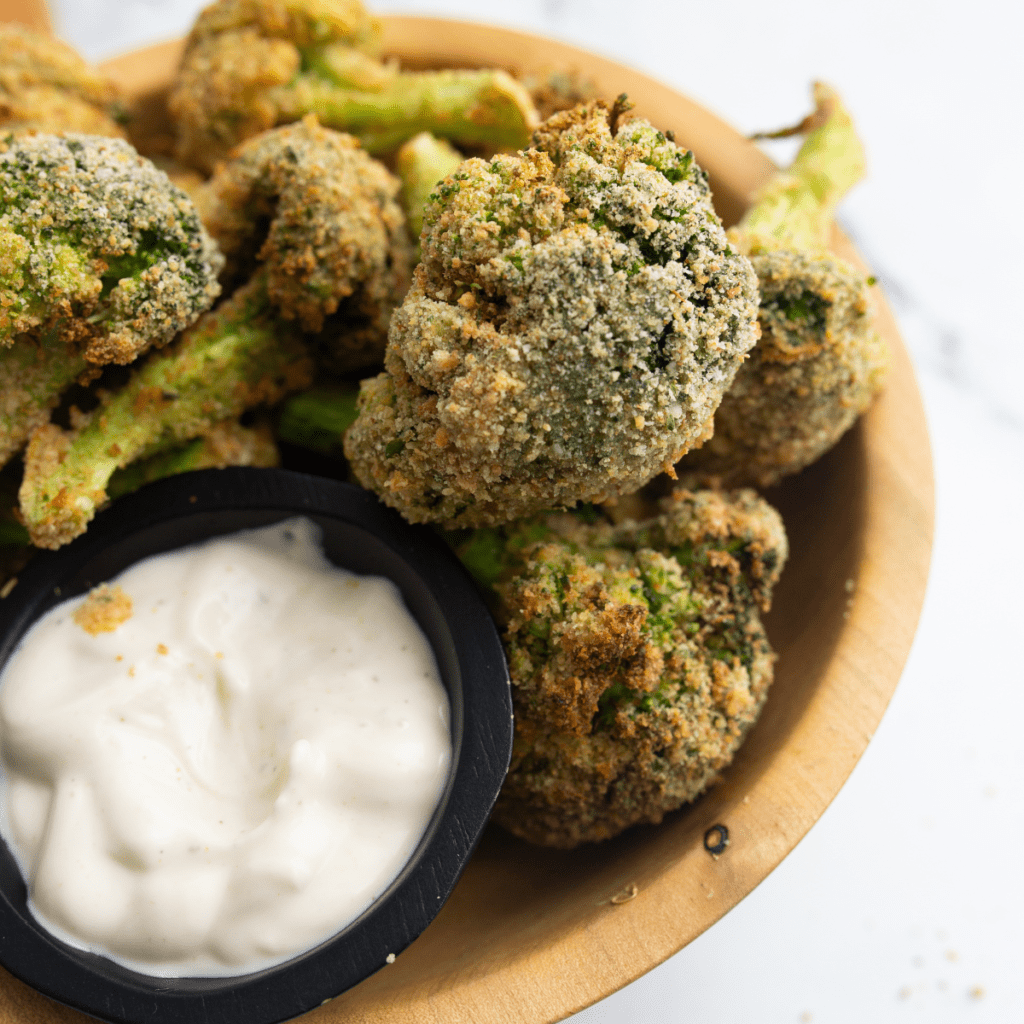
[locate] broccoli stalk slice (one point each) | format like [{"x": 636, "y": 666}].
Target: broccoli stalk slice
[
  {"x": 33, "y": 373},
  {"x": 482, "y": 108},
  {"x": 232, "y": 359},
  {"x": 796, "y": 209},
  {"x": 421, "y": 163},
  {"x": 316, "y": 419}
]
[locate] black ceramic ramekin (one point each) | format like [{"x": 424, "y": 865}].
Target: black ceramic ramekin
[{"x": 359, "y": 534}]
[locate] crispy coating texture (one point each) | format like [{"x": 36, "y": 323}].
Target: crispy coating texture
[
  {"x": 97, "y": 247},
  {"x": 222, "y": 93},
  {"x": 46, "y": 85},
  {"x": 638, "y": 659},
  {"x": 336, "y": 253},
  {"x": 820, "y": 361},
  {"x": 819, "y": 365},
  {"x": 574, "y": 322}
]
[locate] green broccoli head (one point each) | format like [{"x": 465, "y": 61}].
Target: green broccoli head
[
  {"x": 249, "y": 66},
  {"x": 820, "y": 360},
  {"x": 574, "y": 322},
  {"x": 637, "y": 656},
  {"x": 97, "y": 247}
]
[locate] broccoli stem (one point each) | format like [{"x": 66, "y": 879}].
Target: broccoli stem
[
  {"x": 227, "y": 444},
  {"x": 234, "y": 358},
  {"x": 316, "y": 419},
  {"x": 33, "y": 373},
  {"x": 798, "y": 206},
  {"x": 421, "y": 163},
  {"x": 483, "y": 108}
]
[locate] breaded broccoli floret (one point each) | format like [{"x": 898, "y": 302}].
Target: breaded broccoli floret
[
  {"x": 573, "y": 325},
  {"x": 315, "y": 223},
  {"x": 97, "y": 247},
  {"x": 236, "y": 357},
  {"x": 637, "y": 656},
  {"x": 46, "y": 85},
  {"x": 820, "y": 360},
  {"x": 249, "y": 66},
  {"x": 323, "y": 220}
]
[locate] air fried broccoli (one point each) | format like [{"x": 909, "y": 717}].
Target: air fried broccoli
[
  {"x": 559, "y": 90},
  {"x": 637, "y": 656},
  {"x": 100, "y": 258},
  {"x": 45, "y": 85},
  {"x": 312, "y": 222},
  {"x": 249, "y": 66},
  {"x": 323, "y": 218},
  {"x": 820, "y": 360},
  {"x": 97, "y": 246},
  {"x": 574, "y": 322}
]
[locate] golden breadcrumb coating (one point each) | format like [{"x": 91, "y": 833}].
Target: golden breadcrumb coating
[
  {"x": 818, "y": 366},
  {"x": 237, "y": 51},
  {"x": 97, "y": 247},
  {"x": 637, "y": 656},
  {"x": 323, "y": 218},
  {"x": 574, "y": 322},
  {"x": 104, "y": 609},
  {"x": 820, "y": 361}
]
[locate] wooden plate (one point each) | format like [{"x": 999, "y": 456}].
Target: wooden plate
[{"x": 530, "y": 935}]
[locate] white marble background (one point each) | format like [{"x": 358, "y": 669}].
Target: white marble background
[{"x": 905, "y": 902}]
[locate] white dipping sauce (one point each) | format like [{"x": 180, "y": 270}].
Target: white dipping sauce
[{"x": 233, "y": 773}]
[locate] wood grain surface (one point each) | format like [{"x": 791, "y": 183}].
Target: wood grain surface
[
  {"x": 531, "y": 935},
  {"x": 33, "y": 13}
]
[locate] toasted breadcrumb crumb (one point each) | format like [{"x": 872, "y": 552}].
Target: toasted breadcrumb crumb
[{"x": 105, "y": 608}]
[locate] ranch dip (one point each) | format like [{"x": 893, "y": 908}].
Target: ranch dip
[{"x": 221, "y": 757}]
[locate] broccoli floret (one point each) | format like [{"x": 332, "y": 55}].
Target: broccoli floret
[
  {"x": 45, "y": 84},
  {"x": 97, "y": 247},
  {"x": 250, "y": 66},
  {"x": 637, "y": 656},
  {"x": 574, "y": 322},
  {"x": 315, "y": 223},
  {"x": 820, "y": 360},
  {"x": 322, "y": 218}
]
